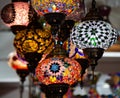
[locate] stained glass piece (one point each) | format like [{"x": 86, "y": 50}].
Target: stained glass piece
[
  {"x": 96, "y": 34},
  {"x": 74, "y": 9},
  {"x": 29, "y": 41},
  {"x": 57, "y": 72},
  {"x": 17, "y": 13}
]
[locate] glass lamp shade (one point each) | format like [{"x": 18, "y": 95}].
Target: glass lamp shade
[
  {"x": 45, "y": 6},
  {"x": 16, "y": 63},
  {"x": 33, "y": 41},
  {"x": 58, "y": 70},
  {"x": 93, "y": 34},
  {"x": 17, "y": 13}
]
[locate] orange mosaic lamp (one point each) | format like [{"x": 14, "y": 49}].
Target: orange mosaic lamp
[
  {"x": 56, "y": 75},
  {"x": 58, "y": 70}
]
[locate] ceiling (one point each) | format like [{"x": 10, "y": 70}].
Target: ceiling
[{"x": 106, "y": 64}]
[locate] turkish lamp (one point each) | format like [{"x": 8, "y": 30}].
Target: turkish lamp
[
  {"x": 57, "y": 72},
  {"x": 33, "y": 42},
  {"x": 93, "y": 35},
  {"x": 93, "y": 13},
  {"x": 55, "y": 11},
  {"x": 17, "y": 15}
]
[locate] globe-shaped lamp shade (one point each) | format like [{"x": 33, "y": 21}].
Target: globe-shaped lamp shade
[
  {"x": 45, "y": 6},
  {"x": 30, "y": 41},
  {"x": 58, "y": 70},
  {"x": 17, "y": 13},
  {"x": 16, "y": 63},
  {"x": 93, "y": 34}
]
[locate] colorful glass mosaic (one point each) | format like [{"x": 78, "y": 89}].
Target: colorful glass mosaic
[
  {"x": 58, "y": 70},
  {"x": 33, "y": 41},
  {"x": 93, "y": 34},
  {"x": 17, "y": 13},
  {"x": 49, "y": 6}
]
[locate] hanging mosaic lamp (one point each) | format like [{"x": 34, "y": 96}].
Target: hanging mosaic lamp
[
  {"x": 17, "y": 13},
  {"x": 57, "y": 72},
  {"x": 19, "y": 65},
  {"x": 93, "y": 35},
  {"x": 33, "y": 42},
  {"x": 55, "y": 11}
]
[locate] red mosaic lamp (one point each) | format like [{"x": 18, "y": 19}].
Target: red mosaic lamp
[
  {"x": 57, "y": 72},
  {"x": 56, "y": 75}
]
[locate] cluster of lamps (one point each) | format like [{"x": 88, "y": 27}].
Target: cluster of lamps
[{"x": 41, "y": 44}]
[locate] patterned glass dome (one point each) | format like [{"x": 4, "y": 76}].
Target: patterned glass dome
[
  {"x": 33, "y": 41},
  {"x": 58, "y": 70},
  {"x": 48, "y": 6},
  {"x": 93, "y": 34},
  {"x": 17, "y": 13}
]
